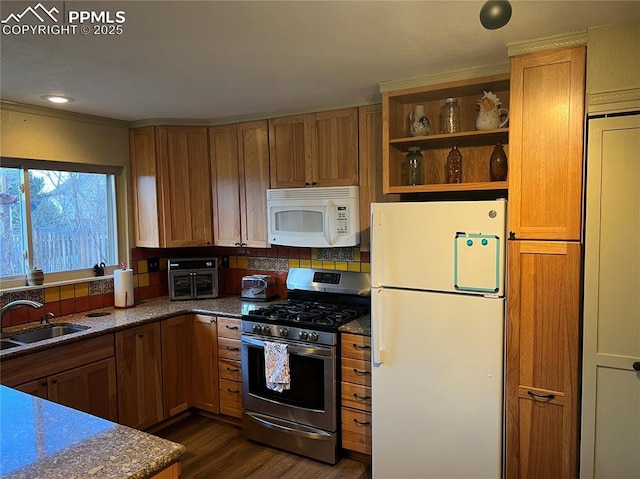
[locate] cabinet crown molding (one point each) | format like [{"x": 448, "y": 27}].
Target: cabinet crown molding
[
  {"x": 467, "y": 74},
  {"x": 553, "y": 42}
]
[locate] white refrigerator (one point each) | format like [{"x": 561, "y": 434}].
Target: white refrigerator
[{"x": 438, "y": 310}]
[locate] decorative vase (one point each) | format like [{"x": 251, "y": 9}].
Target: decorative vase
[
  {"x": 491, "y": 113},
  {"x": 454, "y": 166},
  {"x": 35, "y": 277},
  {"x": 418, "y": 122},
  {"x": 498, "y": 164}
]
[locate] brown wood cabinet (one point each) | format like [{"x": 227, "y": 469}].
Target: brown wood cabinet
[
  {"x": 476, "y": 146},
  {"x": 146, "y": 187},
  {"x": 546, "y": 145},
  {"x": 139, "y": 371},
  {"x": 240, "y": 177},
  {"x": 230, "y": 367},
  {"x": 544, "y": 263},
  {"x": 543, "y": 358},
  {"x": 79, "y": 375},
  {"x": 90, "y": 388},
  {"x": 205, "y": 363},
  {"x": 317, "y": 149},
  {"x": 171, "y": 186},
  {"x": 176, "y": 364},
  {"x": 370, "y": 165},
  {"x": 356, "y": 392}
]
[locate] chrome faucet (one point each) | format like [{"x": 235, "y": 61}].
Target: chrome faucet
[{"x": 18, "y": 302}]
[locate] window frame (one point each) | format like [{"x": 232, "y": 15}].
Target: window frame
[{"x": 114, "y": 208}]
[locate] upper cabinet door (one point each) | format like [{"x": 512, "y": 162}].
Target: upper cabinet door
[
  {"x": 144, "y": 174},
  {"x": 225, "y": 184},
  {"x": 546, "y": 144},
  {"x": 334, "y": 149},
  {"x": 186, "y": 189},
  {"x": 253, "y": 155},
  {"x": 290, "y": 150}
]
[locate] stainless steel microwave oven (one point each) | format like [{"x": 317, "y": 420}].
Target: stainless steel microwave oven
[
  {"x": 193, "y": 278},
  {"x": 319, "y": 217}
]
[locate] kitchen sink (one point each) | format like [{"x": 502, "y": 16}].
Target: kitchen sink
[
  {"x": 6, "y": 344},
  {"x": 45, "y": 332}
]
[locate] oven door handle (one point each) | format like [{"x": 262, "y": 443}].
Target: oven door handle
[
  {"x": 272, "y": 425},
  {"x": 311, "y": 351}
]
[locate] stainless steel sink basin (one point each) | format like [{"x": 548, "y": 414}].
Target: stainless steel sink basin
[
  {"x": 6, "y": 344},
  {"x": 45, "y": 332}
]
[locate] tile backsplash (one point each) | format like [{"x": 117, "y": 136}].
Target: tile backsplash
[{"x": 98, "y": 293}]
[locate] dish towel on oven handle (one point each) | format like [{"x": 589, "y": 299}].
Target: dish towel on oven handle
[{"x": 276, "y": 366}]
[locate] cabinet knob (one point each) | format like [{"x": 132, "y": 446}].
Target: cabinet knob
[
  {"x": 54, "y": 381},
  {"x": 360, "y": 373},
  {"x": 238, "y": 244},
  {"x": 230, "y": 327},
  {"x": 43, "y": 383},
  {"x": 140, "y": 335},
  {"x": 636, "y": 366},
  {"x": 512, "y": 235},
  {"x": 361, "y": 398},
  {"x": 233, "y": 391}
]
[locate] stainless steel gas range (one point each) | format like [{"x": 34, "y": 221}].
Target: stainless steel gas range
[{"x": 303, "y": 417}]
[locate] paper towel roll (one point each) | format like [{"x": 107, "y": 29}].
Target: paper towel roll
[{"x": 123, "y": 288}]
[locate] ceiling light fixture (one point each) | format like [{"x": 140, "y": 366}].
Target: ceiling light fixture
[
  {"x": 57, "y": 98},
  {"x": 495, "y": 14}
]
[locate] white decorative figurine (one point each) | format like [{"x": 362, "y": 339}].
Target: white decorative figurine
[{"x": 491, "y": 113}]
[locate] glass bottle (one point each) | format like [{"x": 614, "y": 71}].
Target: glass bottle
[
  {"x": 413, "y": 167},
  {"x": 454, "y": 166},
  {"x": 498, "y": 164},
  {"x": 450, "y": 116}
]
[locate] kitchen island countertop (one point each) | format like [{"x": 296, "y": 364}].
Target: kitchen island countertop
[{"x": 42, "y": 439}]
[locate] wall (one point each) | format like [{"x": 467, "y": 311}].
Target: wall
[
  {"x": 613, "y": 68},
  {"x": 56, "y": 136},
  {"x": 98, "y": 293}
]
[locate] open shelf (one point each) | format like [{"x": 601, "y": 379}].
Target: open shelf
[{"x": 475, "y": 146}]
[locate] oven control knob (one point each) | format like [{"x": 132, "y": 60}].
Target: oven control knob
[
  {"x": 257, "y": 328},
  {"x": 313, "y": 336},
  {"x": 303, "y": 335},
  {"x": 266, "y": 330},
  {"x": 284, "y": 332}
]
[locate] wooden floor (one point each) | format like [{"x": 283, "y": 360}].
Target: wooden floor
[{"x": 217, "y": 450}]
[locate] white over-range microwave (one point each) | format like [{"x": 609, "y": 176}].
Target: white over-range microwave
[{"x": 319, "y": 217}]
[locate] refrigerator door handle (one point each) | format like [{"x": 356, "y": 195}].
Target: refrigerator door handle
[
  {"x": 376, "y": 245},
  {"x": 376, "y": 328}
]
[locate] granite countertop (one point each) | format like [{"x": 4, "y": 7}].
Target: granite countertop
[
  {"x": 155, "y": 309},
  {"x": 360, "y": 326},
  {"x": 117, "y": 319},
  {"x": 42, "y": 439}
]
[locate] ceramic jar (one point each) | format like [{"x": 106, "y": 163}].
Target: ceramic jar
[
  {"x": 419, "y": 124},
  {"x": 491, "y": 114},
  {"x": 35, "y": 277}
]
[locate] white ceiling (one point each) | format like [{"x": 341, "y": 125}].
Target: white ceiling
[{"x": 216, "y": 59}]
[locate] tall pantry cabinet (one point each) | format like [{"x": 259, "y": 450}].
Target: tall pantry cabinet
[{"x": 544, "y": 264}]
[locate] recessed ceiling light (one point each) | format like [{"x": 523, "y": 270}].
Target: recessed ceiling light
[{"x": 57, "y": 98}]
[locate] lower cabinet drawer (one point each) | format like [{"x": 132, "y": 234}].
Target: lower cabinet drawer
[
  {"x": 356, "y": 396},
  {"x": 356, "y": 430},
  {"x": 231, "y": 398},
  {"x": 230, "y": 370},
  {"x": 229, "y": 349}
]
